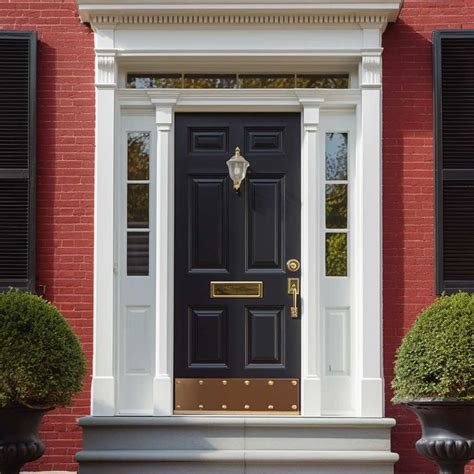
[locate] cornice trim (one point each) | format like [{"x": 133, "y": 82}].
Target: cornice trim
[{"x": 376, "y": 20}]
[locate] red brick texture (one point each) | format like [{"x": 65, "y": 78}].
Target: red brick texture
[
  {"x": 65, "y": 181},
  {"x": 66, "y": 171},
  {"x": 408, "y": 189}
]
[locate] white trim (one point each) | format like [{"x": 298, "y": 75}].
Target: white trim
[{"x": 142, "y": 42}]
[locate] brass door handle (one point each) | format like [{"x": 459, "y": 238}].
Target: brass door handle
[{"x": 294, "y": 291}]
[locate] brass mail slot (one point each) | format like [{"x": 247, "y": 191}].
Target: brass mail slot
[{"x": 236, "y": 289}]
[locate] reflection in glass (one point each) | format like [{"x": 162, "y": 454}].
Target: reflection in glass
[
  {"x": 154, "y": 81},
  {"x": 137, "y": 206},
  {"x": 138, "y": 249},
  {"x": 138, "y": 156},
  {"x": 194, "y": 81},
  {"x": 267, "y": 81},
  {"x": 336, "y": 255},
  {"x": 336, "y": 206},
  {"x": 307, "y": 81},
  {"x": 336, "y": 156}
]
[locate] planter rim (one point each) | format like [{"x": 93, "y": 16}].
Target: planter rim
[{"x": 438, "y": 401}]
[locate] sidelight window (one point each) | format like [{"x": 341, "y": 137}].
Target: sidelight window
[
  {"x": 336, "y": 204},
  {"x": 138, "y": 203}
]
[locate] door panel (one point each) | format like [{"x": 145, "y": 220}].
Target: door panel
[{"x": 245, "y": 237}]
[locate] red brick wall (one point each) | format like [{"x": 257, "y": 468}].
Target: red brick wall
[
  {"x": 408, "y": 187},
  {"x": 65, "y": 133}
]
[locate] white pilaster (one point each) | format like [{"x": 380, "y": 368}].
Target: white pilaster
[
  {"x": 310, "y": 258},
  {"x": 163, "y": 381},
  {"x": 103, "y": 384},
  {"x": 369, "y": 232}
]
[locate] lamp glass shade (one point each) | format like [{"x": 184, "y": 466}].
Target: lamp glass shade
[{"x": 237, "y": 168}]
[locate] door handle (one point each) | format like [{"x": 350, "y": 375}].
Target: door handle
[{"x": 294, "y": 291}]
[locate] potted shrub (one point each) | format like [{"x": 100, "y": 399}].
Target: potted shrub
[
  {"x": 434, "y": 377},
  {"x": 41, "y": 367}
]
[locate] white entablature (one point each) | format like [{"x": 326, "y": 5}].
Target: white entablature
[{"x": 241, "y": 12}]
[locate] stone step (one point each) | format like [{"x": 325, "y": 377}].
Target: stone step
[{"x": 256, "y": 445}]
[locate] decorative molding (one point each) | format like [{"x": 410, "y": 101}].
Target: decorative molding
[
  {"x": 375, "y": 20},
  {"x": 371, "y": 71},
  {"x": 106, "y": 70}
]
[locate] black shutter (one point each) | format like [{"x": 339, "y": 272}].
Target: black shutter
[
  {"x": 454, "y": 155},
  {"x": 17, "y": 159}
]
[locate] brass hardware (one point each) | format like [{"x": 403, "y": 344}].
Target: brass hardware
[
  {"x": 294, "y": 382},
  {"x": 275, "y": 396},
  {"x": 224, "y": 382},
  {"x": 294, "y": 290},
  {"x": 293, "y": 265},
  {"x": 236, "y": 289}
]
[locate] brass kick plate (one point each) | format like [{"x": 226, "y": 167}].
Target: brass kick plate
[
  {"x": 237, "y": 396},
  {"x": 236, "y": 289}
]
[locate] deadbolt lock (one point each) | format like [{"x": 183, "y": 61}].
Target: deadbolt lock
[{"x": 293, "y": 265}]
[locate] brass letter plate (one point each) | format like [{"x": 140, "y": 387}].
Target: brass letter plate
[
  {"x": 236, "y": 289},
  {"x": 237, "y": 396}
]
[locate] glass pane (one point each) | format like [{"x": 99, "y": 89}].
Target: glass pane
[
  {"x": 267, "y": 82},
  {"x": 336, "y": 156},
  {"x": 138, "y": 156},
  {"x": 154, "y": 81},
  {"x": 336, "y": 254},
  {"x": 138, "y": 250},
  {"x": 336, "y": 206},
  {"x": 138, "y": 206},
  {"x": 194, "y": 81},
  {"x": 308, "y": 81}
]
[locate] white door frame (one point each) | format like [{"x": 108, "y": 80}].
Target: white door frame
[{"x": 363, "y": 45}]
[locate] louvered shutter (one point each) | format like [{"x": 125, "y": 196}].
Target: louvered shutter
[
  {"x": 17, "y": 159},
  {"x": 454, "y": 150}
]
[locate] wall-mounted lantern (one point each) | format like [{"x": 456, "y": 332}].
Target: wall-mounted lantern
[{"x": 237, "y": 169}]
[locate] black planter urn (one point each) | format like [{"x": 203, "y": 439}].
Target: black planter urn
[
  {"x": 19, "y": 441},
  {"x": 448, "y": 433}
]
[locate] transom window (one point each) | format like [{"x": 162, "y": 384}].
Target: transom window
[{"x": 237, "y": 81}]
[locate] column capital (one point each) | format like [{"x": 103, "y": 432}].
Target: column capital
[
  {"x": 371, "y": 70},
  {"x": 311, "y": 106},
  {"x": 106, "y": 69}
]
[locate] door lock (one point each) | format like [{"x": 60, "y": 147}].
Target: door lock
[
  {"x": 293, "y": 265},
  {"x": 294, "y": 291}
]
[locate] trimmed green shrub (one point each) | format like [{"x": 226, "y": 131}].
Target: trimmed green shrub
[
  {"x": 41, "y": 361},
  {"x": 436, "y": 358}
]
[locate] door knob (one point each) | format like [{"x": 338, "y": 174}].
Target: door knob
[{"x": 294, "y": 291}]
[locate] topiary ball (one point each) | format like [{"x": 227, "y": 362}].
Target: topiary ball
[
  {"x": 436, "y": 358},
  {"x": 41, "y": 360}
]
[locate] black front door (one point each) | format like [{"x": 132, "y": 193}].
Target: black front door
[{"x": 244, "y": 334}]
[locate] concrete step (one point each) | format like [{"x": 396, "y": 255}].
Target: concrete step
[{"x": 236, "y": 445}]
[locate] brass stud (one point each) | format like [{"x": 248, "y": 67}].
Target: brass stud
[
  {"x": 201, "y": 407},
  {"x": 224, "y": 407},
  {"x": 201, "y": 382},
  {"x": 270, "y": 407},
  {"x": 224, "y": 382},
  {"x": 294, "y": 407},
  {"x": 178, "y": 381},
  {"x": 178, "y": 406},
  {"x": 247, "y": 407},
  {"x": 247, "y": 382},
  {"x": 270, "y": 382},
  {"x": 294, "y": 382}
]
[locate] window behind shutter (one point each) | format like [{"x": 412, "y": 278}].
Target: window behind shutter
[
  {"x": 454, "y": 148},
  {"x": 17, "y": 159}
]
